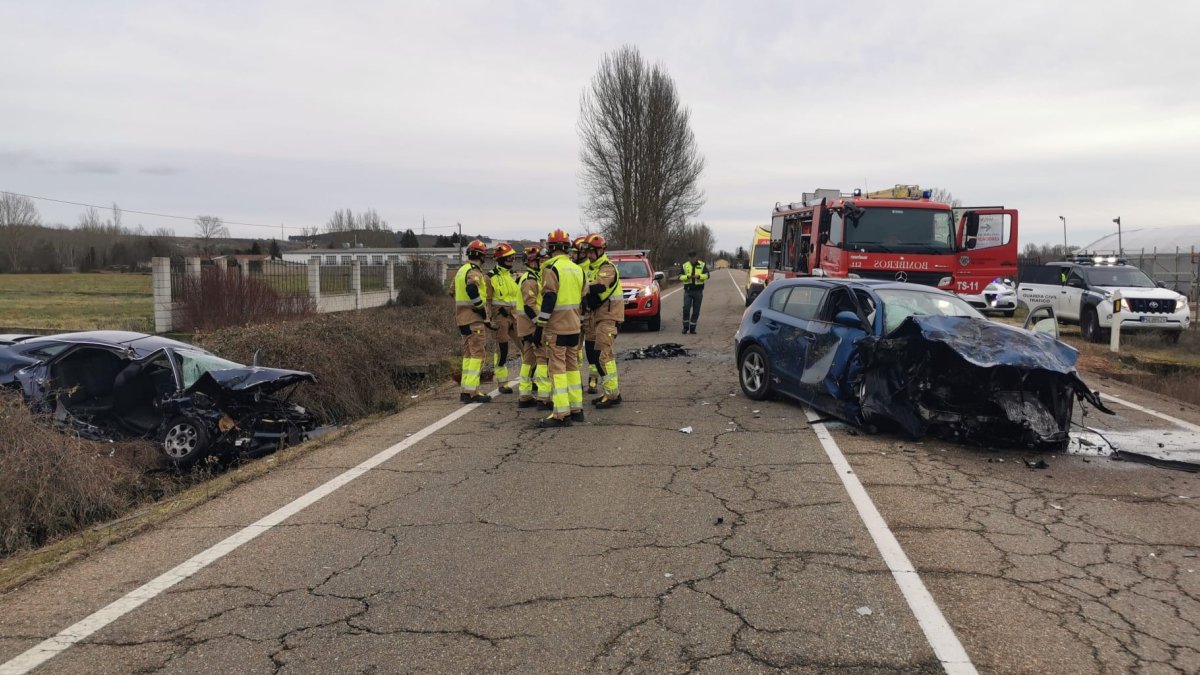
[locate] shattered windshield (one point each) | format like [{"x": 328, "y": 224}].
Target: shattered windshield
[
  {"x": 898, "y": 305},
  {"x": 762, "y": 255},
  {"x": 194, "y": 364},
  {"x": 1123, "y": 277},
  {"x": 900, "y": 231}
]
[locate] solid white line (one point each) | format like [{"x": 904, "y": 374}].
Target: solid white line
[
  {"x": 937, "y": 630},
  {"x": 1162, "y": 416},
  {"x": 664, "y": 296},
  {"x": 736, "y": 287},
  {"x": 51, "y": 647}
]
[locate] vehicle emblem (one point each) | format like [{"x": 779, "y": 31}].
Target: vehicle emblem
[
  {"x": 902, "y": 277},
  {"x": 964, "y": 260},
  {"x": 1153, "y": 305}
]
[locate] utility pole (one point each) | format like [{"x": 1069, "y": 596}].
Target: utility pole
[
  {"x": 460, "y": 258},
  {"x": 422, "y": 225},
  {"x": 1120, "y": 247},
  {"x": 1064, "y": 219}
]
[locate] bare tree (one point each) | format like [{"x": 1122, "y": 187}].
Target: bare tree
[
  {"x": 943, "y": 195},
  {"x": 370, "y": 220},
  {"x": 342, "y": 221},
  {"x": 210, "y": 227},
  {"x": 18, "y": 210},
  {"x": 640, "y": 163},
  {"x": 90, "y": 220}
]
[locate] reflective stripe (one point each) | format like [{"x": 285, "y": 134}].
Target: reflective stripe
[
  {"x": 563, "y": 308},
  {"x": 464, "y": 303},
  {"x": 503, "y": 304},
  {"x": 544, "y": 316}
]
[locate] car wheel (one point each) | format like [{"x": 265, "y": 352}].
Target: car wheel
[
  {"x": 1089, "y": 326},
  {"x": 184, "y": 442},
  {"x": 655, "y": 322},
  {"x": 1008, "y": 314},
  {"x": 754, "y": 373}
]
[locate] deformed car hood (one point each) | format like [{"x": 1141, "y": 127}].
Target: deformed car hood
[
  {"x": 264, "y": 380},
  {"x": 989, "y": 343}
]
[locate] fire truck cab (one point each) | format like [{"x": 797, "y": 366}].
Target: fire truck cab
[{"x": 899, "y": 234}]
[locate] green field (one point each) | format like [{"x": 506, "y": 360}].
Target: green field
[{"x": 76, "y": 301}]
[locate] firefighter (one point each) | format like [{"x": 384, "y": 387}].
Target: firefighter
[
  {"x": 695, "y": 273},
  {"x": 534, "y": 385},
  {"x": 557, "y": 327},
  {"x": 606, "y": 306},
  {"x": 503, "y": 295},
  {"x": 588, "y": 353},
  {"x": 470, "y": 312}
]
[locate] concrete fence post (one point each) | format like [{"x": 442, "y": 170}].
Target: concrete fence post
[
  {"x": 244, "y": 268},
  {"x": 356, "y": 283},
  {"x": 314, "y": 281},
  {"x": 389, "y": 279},
  {"x": 164, "y": 319},
  {"x": 193, "y": 267},
  {"x": 221, "y": 263}
]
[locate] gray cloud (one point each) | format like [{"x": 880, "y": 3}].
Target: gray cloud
[
  {"x": 160, "y": 170},
  {"x": 93, "y": 166}
]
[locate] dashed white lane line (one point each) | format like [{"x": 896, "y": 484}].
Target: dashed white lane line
[
  {"x": 1183, "y": 424},
  {"x": 51, "y": 647},
  {"x": 938, "y": 632}
]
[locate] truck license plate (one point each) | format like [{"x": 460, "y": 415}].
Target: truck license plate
[{"x": 1154, "y": 319}]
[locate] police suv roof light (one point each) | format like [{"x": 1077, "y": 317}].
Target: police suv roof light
[
  {"x": 928, "y": 194},
  {"x": 857, "y": 192}
]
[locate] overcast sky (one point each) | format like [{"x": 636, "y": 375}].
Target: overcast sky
[{"x": 282, "y": 112}]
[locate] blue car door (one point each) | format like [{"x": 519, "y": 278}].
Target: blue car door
[
  {"x": 777, "y": 336},
  {"x": 795, "y": 335},
  {"x": 828, "y": 363}
]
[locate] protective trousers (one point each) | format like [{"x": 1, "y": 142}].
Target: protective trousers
[
  {"x": 692, "y": 297},
  {"x": 589, "y": 350},
  {"x": 474, "y": 341},
  {"x": 534, "y": 379},
  {"x": 566, "y": 392},
  {"x": 505, "y": 332},
  {"x": 606, "y": 336}
]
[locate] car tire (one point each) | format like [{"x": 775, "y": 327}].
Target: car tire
[
  {"x": 754, "y": 373},
  {"x": 184, "y": 441},
  {"x": 1008, "y": 314},
  {"x": 655, "y": 322},
  {"x": 1089, "y": 326}
]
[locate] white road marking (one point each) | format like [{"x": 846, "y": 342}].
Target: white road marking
[
  {"x": 664, "y": 296},
  {"x": 1162, "y": 416},
  {"x": 938, "y": 632},
  {"x": 736, "y": 287},
  {"x": 51, "y": 647}
]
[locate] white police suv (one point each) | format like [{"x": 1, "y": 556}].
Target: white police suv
[{"x": 1083, "y": 291}]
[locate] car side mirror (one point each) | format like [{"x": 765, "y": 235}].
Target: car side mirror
[
  {"x": 849, "y": 319},
  {"x": 659, "y": 276},
  {"x": 1160, "y": 284},
  {"x": 1075, "y": 283}
]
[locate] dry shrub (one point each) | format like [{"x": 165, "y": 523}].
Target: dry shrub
[
  {"x": 53, "y": 484},
  {"x": 417, "y": 283},
  {"x": 365, "y": 361},
  {"x": 219, "y": 298}
]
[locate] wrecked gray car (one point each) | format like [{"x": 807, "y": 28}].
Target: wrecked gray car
[
  {"x": 109, "y": 384},
  {"x": 909, "y": 357}
]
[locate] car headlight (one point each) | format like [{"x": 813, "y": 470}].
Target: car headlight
[
  {"x": 755, "y": 281},
  {"x": 646, "y": 292},
  {"x": 1181, "y": 304}
]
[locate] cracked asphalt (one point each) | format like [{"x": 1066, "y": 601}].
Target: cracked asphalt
[{"x": 625, "y": 544}]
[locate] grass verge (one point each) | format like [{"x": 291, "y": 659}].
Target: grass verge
[{"x": 76, "y": 301}]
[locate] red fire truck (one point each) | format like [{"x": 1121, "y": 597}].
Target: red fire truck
[{"x": 899, "y": 234}]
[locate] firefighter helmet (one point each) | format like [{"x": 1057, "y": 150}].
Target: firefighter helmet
[
  {"x": 558, "y": 237},
  {"x": 579, "y": 243},
  {"x": 503, "y": 250},
  {"x": 532, "y": 254},
  {"x": 476, "y": 249},
  {"x": 596, "y": 241}
]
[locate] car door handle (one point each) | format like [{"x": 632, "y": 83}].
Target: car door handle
[{"x": 773, "y": 325}]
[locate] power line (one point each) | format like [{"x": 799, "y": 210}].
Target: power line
[{"x": 189, "y": 218}]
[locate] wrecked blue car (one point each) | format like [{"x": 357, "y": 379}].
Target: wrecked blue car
[
  {"x": 885, "y": 355},
  {"x": 104, "y": 385}
]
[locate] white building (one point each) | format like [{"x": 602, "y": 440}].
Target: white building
[{"x": 370, "y": 256}]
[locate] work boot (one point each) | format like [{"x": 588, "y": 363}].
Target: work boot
[
  {"x": 577, "y": 416},
  {"x": 480, "y": 398},
  {"x": 553, "y": 422},
  {"x": 464, "y": 397},
  {"x": 592, "y": 384},
  {"x": 685, "y": 329},
  {"x": 505, "y": 389},
  {"x": 693, "y": 329},
  {"x": 526, "y": 403},
  {"x": 545, "y": 405},
  {"x": 598, "y": 399},
  {"x": 607, "y": 402}
]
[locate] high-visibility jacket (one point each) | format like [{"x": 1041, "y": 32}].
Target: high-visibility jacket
[
  {"x": 530, "y": 286},
  {"x": 468, "y": 275},
  {"x": 604, "y": 291},
  {"x": 701, "y": 271},
  {"x": 504, "y": 289},
  {"x": 564, "y": 279}
]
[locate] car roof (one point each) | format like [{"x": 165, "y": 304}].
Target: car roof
[
  {"x": 868, "y": 284},
  {"x": 140, "y": 342}
]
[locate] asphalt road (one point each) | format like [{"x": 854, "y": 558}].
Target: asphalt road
[{"x": 626, "y": 544}]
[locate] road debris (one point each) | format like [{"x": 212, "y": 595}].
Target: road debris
[
  {"x": 1056, "y": 507},
  {"x": 1036, "y": 463},
  {"x": 666, "y": 350},
  {"x": 686, "y": 430},
  {"x": 864, "y": 611}
]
